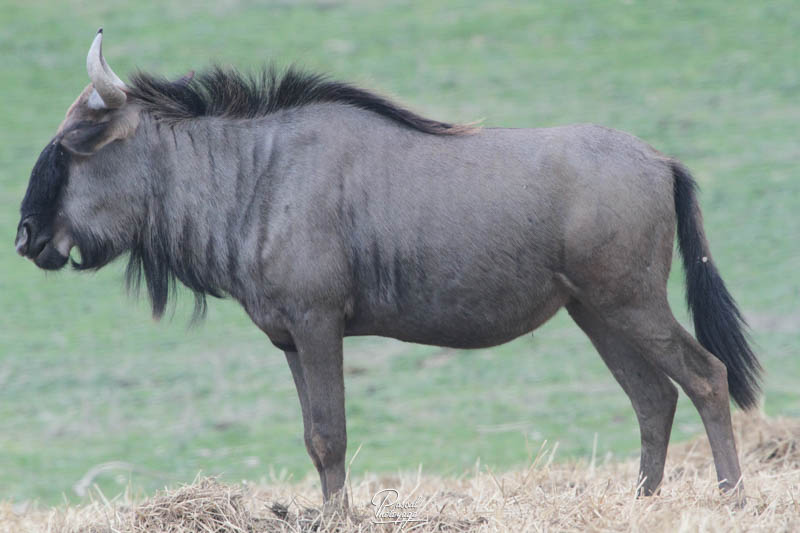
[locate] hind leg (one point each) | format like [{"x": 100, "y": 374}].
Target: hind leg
[
  {"x": 652, "y": 394},
  {"x": 653, "y": 331}
]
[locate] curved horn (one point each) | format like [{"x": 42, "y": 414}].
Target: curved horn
[{"x": 107, "y": 84}]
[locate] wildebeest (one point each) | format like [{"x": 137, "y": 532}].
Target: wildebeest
[{"x": 329, "y": 211}]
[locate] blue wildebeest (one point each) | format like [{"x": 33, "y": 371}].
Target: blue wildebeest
[{"x": 328, "y": 211}]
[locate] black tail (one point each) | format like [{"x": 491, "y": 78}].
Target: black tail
[{"x": 718, "y": 324}]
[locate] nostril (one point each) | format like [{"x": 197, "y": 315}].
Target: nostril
[{"x": 23, "y": 238}]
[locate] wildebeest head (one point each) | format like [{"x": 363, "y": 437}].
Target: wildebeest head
[{"x": 74, "y": 197}]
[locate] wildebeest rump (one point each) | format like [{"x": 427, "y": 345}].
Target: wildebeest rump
[{"x": 329, "y": 211}]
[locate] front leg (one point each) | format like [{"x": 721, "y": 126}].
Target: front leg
[{"x": 316, "y": 366}]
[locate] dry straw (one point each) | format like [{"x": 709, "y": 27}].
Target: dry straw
[{"x": 546, "y": 496}]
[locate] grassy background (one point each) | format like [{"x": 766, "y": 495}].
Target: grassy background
[{"x": 86, "y": 377}]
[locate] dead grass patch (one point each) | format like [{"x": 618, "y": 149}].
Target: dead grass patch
[{"x": 545, "y": 496}]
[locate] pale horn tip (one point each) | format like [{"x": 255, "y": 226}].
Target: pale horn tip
[{"x": 109, "y": 87}]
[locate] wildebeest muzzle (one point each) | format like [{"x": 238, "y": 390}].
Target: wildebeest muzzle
[{"x": 39, "y": 245}]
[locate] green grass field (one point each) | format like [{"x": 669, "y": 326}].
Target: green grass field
[{"x": 86, "y": 377}]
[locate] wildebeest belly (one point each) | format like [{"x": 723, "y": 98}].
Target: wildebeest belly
[{"x": 447, "y": 300}]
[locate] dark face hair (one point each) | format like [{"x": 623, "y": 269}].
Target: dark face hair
[
  {"x": 40, "y": 204},
  {"x": 47, "y": 179}
]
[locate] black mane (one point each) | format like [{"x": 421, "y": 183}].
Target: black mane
[{"x": 226, "y": 92}]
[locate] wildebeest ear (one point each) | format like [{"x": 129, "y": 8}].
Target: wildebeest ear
[{"x": 87, "y": 137}]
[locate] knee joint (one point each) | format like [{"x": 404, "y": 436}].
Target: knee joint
[
  {"x": 326, "y": 447},
  {"x": 714, "y": 384}
]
